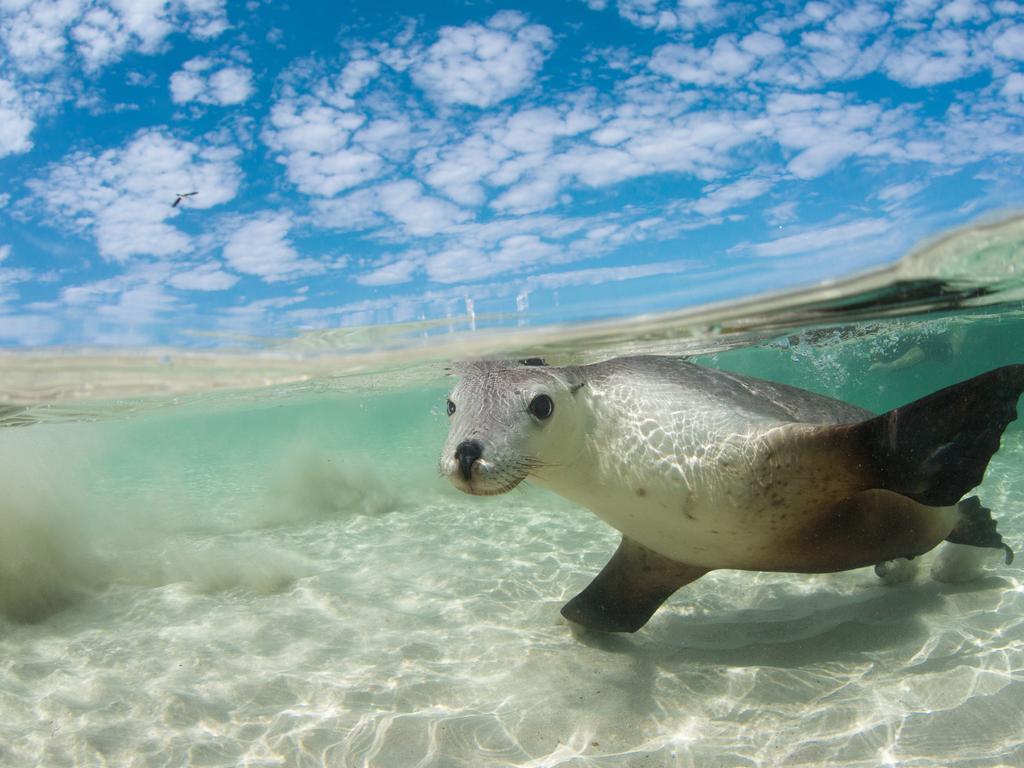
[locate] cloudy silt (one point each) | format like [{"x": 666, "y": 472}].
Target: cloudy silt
[{"x": 380, "y": 165}]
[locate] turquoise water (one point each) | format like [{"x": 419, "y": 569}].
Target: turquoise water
[{"x": 278, "y": 576}]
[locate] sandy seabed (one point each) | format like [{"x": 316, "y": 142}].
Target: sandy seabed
[{"x": 336, "y": 620}]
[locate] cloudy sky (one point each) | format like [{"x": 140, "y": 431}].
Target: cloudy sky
[{"x": 375, "y": 162}]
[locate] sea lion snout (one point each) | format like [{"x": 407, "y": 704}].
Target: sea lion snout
[{"x": 467, "y": 453}]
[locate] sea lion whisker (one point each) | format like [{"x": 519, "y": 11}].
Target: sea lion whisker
[{"x": 534, "y": 461}]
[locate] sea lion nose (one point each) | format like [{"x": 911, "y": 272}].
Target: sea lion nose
[{"x": 466, "y": 453}]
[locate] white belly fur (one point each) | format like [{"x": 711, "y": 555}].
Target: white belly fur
[
  {"x": 698, "y": 485},
  {"x": 694, "y": 517}
]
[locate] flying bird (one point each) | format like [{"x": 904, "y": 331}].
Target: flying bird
[{"x": 181, "y": 196}]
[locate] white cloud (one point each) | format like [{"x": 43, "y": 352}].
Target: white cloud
[
  {"x": 483, "y": 65},
  {"x": 124, "y": 309},
  {"x": 666, "y": 15},
  {"x": 393, "y": 273},
  {"x": 259, "y": 245},
  {"x": 719, "y": 64},
  {"x": 533, "y": 131},
  {"x": 315, "y": 140},
  {"x": 353, "y": 212},
  {"x": 527, "y": 160},
  {"x": 514, "y": 149},
  {"x": 825, "y": 237},
  {"x": 783, "y": 213},
  {"x": 16, "y": 122},
  {"x": 137, "y": 305},
  {"x": 1014, "y": 86},
  {"x": 403, "y": 203},
  {"x": 231, "y": 85},
  {"x": 459, "y": 170},
  {"x": 931, "y": 58},
  {"x": 100, "y": 291},
  {"x": 89, "y": 293},
  {"x": 602, "y": 275},
  {"x": 417, "y": 213},
  {"x": 1010, "y": 43},
  {"x": 964, "y": 136},
  {"x": 838, "y": 43},
  {"x": 30, "y": 330},
  {"x": 123, "y": 197},
  {"x": 960, "y": 11},
  {"x": 255, "y": 316},
  {"x": 205, "y": 277},
  {"x": 10, "y": 277},
  {"x": 506, "y": 150},
  {"x": 763, "y": 44},
  {"x": 38, "y": 34},
  {"x": 330, "y": 142},
  {"x": 849, "y": 44},
  {"x": 102, "y": 37},
  {"x": 186, "y": 85},
  {"x": 34, "y": 33},
  {"x": 513, "y": 254},
  {"x": 724, "y": 197},
  {"x": 210, "y": 82},
  {"x": 825, "y": 130},
  {"x": 357, "y": 74},
  {"x": 823, "y": 156},
  {"x": 473, "y": 251},
  {"x": 895, "y": 193},
  {"x": 696, "y": 143},
  {"x": 540, "y": 190},
  {"x": 206, "y": 18}
]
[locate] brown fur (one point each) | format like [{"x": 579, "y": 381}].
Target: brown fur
[{"x": 865, "y": 529}]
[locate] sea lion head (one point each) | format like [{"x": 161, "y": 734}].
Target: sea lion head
[{"x": 508, "y": 420}]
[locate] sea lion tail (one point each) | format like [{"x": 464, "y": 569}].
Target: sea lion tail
[
  {"x": 976, "y": 528},
  {"x": 936, "y": 449}
]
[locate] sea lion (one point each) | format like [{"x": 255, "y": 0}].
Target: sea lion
[{"x": 702, "y": 469}]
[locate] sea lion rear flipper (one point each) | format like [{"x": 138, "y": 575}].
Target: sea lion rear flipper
[
  {"x": 629, "y": 589},
  {"x": 936, "y": 449},
  {"x": 976, "y": 528}
]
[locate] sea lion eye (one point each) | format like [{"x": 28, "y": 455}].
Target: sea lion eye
[
  {"x": 451, "y": 407},
  {"x": 542, "y": 407}
]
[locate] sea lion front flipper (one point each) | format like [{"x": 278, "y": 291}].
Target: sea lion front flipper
[{"x": 629, "y": 589}]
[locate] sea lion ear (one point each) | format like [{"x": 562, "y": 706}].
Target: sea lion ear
[
  {"x": 461, "y": 368},
  {"x": 537, "y": 361},
  {"x": 572, "y": 377}
]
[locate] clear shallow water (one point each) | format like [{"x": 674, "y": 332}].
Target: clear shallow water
[{"x": 276, "y": 575}]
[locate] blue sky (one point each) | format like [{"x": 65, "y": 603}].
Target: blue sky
[{"x": 367, "y": 162}]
